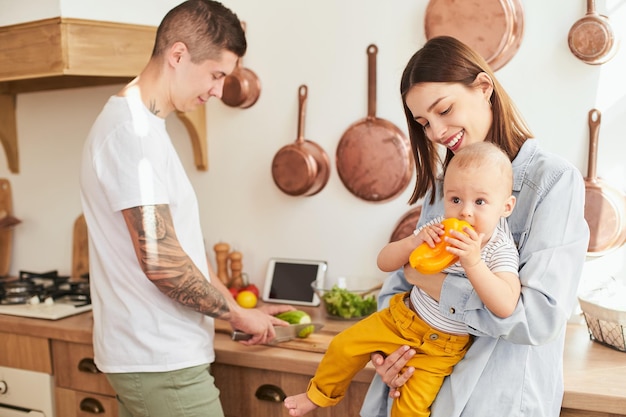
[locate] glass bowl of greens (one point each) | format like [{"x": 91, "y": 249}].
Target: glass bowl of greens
[{"x": 341, "y": 303}]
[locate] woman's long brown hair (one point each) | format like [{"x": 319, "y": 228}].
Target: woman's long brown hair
[{"x": 446, "y": 59}]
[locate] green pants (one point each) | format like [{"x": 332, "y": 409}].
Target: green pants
[{"x": 189, "y": 392}]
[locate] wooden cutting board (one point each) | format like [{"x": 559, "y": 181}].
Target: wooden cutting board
[
  {"x": 317, "y": 342},
  {"x": 6, "y": 234},
  {"x": 80, "y": 248}
]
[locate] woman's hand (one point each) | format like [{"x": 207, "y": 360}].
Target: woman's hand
[{"x": 391, "y": 369}]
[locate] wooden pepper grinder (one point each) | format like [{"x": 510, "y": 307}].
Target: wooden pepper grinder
[
  {"x": 221, "y": 256},
  {"x": 236, "y": 278}
]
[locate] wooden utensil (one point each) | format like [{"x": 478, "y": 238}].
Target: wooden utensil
[
  {"x": 80, "y": 248},
  {"x": 221, "y": 258},
  {"x": 494, "y": 28},
  {"x": 236, "y": 276},
  {"x": 301, "y": 168},
  {"x": 374, "y": 159},
  {"x": 6, "y": 233},
  {"x": 605, "y": 207},
  {"x": 591, "y": 39}
]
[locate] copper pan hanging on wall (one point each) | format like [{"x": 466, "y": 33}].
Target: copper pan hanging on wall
[
  {"x": 605, "y": 206},
  {"x": 493, "y": 28},
  {"x": 242, "y": 87},
  {"x": 591, "y": 39},
  {"x": 374, "y": 159},
  {"x": 301, "y": 168},
  {"x": 406, "y": 225}
]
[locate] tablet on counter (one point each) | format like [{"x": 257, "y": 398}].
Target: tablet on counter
[{"x": 288, "y": 281}]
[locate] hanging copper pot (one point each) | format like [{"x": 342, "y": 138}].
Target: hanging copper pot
[
  {"x": 374, "y": 159},
  {"x": 242, "y": 87},
  {"x": 406, "y": 225},
  {"x": 605, "y": 205},
  {"x": 591, "y": 38},
  {"x": 301, "y": 168},
  {"x": 493, "y": 28}
]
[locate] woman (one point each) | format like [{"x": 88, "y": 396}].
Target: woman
[{"x": 514, "y": 366}]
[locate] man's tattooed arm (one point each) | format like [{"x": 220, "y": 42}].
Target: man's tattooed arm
[{"x": 167, "y": 265}]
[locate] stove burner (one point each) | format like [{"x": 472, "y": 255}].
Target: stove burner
[
  {"x": 33, "y": 287},
  {"x": 20, "y": 292}
]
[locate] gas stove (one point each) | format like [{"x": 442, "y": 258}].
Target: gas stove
[{"x": 46, "y": 295}]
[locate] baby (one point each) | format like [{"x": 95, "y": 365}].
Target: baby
[{"x": 477, "y": 188}]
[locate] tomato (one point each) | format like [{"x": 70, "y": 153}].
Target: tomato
[
  {"x": 252, "y": 288},
  {"x": 234, "y": 291}
]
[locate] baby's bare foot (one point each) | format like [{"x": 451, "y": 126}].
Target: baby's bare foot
[{"x": 299, "y": 405}]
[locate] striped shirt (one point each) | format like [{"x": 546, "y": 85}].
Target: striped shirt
[{"x": 499, "y": 254}]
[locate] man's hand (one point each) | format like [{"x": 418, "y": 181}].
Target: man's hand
[
  {"x": 391, "y": 368},
  {"x": 255, "y": 322}
]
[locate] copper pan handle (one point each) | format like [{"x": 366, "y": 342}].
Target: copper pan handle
[
  {"x": 302, "y": 95},
  {"x": 594, "y": 132},
  {"x": 372, "y": 50}
]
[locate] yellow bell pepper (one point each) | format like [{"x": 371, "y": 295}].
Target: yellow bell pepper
[{"x": 429, "y": 260}]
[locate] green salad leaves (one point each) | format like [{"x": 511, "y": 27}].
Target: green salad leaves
[{"x": 345, "y": 304}]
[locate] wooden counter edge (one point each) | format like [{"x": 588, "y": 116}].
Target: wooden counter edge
[
  {"x": 77, "y": 329},
  {"x": 274, "y": 358}
]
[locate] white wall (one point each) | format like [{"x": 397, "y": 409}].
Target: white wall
[{"x": 321, "y": 44}]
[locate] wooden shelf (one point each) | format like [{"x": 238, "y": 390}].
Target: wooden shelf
[{"x": 61, "y": 53}]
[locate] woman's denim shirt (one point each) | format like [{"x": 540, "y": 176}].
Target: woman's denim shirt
[{"x": 514, "y": 366}]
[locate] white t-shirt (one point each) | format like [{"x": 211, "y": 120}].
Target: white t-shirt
[{"x": 129, "y": 161}]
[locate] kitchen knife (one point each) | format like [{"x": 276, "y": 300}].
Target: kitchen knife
[{"x": 283, "y": 333}]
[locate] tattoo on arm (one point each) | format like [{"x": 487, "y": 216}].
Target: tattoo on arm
[{"x": 167, "y": 265}]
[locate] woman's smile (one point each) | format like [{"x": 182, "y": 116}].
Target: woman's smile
[{"x": 454, "y": 142}]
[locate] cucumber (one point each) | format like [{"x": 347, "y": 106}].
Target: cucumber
[
  {"x": 306, "y": 331},
  {"x": 298, "y": 317},
  {"x": 294, "y": 317}
]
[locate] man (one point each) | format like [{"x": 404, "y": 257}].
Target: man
[{"x": 154, "y": 294}]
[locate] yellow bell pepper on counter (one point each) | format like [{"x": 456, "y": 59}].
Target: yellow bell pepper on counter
[{"x": 429, "y": 260}]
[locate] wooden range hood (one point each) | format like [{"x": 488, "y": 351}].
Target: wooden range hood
[{"x": 60, "y": 53}]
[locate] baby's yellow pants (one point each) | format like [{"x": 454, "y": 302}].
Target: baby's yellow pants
[{"x": 386, "y": 331}]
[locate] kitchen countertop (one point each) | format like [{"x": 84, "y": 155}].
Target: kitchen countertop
[{"x": 595, "y": 375}]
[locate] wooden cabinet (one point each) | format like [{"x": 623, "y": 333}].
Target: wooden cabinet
[
  {"x": 66, "y": 53},
  {"x": 81, "y": 389},
  {"x": 25, "y": 352},
  {"x": 238, "y": 386}
]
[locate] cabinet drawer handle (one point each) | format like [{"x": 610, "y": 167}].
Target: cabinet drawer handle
[
  {"x": 91, "y": 405},
  {"x": 269, "y": 392},
  {"x": 88, "y": 365}
]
